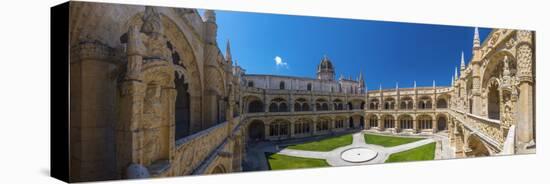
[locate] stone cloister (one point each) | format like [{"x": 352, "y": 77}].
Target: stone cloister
[{"x": 152, "y": 95}]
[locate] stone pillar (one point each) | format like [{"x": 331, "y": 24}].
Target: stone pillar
[
  {"x": 266, "y": 131},
  {"x": 434, "y": 125},
  {"x": 525, "y": 113},
  {"x": 476, "y": 88},
  {"x": 415, "y": 125},
  {"x": 380, "y": 123},
  {"x": 291, "y": 133},
  {"x": 128, "y": 136},
  {"x": 93, "y": 91},
  {"x": 525, "y": 110},
  {"x": 314, "y": 129},
  {"x": 291, "y": 100},
  {"x": 397, "y": 127},
  {"x": 266, "y": 104}
]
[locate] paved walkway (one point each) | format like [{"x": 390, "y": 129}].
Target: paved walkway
[{"x": 333, "y": 158}]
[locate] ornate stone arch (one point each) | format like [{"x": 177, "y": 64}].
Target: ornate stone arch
[
  {"x": 493, "y": 67},
  {"x": 476, "y": 146}
]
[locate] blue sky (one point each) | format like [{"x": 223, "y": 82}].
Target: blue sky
[{"x": 386, "y": 52}]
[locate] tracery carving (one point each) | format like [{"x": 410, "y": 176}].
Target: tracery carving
[{"x": 524, "y": 57}]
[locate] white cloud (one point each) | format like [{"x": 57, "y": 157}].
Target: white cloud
[{"x": 279, "y": 62}]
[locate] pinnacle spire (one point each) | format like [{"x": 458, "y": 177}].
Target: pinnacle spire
[
  {"x": 477, "y": 42},
  {"x": 414, "y": 84},
  {"x": 228, "y": 52},
  {"x": 452, "y": 80},
  {"x": 433, "y": 84},
  {"x": 462, "y": 64}
]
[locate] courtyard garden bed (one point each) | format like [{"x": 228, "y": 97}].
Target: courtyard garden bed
[
  {"x": 326, "y": 144},
  {"x": 388, "y": 141},
  {"x": 280, "y": 162},
  {"x": 425, "y": 152}
]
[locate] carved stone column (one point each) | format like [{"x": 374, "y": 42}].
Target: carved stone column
[
  {"x": 525, "y": 115},
  {"x": 380, "y": 123},
  {"x": 434, "y": 125},
  {"x": 128, "y": 137},
  {"x": 93, "y": 110},
  {"x": 415, "y": 125}
]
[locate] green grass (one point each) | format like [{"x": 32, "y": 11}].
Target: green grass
[
  {"x": 426, "y": 152},
  {"x": 279, "y": 162},
  {"x": 388, "y": 141},
  {"x": 324, "y": 144}
]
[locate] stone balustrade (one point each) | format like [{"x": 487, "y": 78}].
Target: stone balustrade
[
  {"x": 194, "y": 152},
  {"x": 487, "y": 129}
]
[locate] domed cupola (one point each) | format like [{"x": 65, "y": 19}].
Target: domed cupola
[{"x": 325, "y": 70}]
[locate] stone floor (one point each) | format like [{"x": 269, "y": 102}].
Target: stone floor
[{"x": 256, "y": 154}]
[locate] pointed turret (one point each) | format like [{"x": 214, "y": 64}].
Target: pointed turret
[
  {"x": 433, "y": 85},
  {"x": 211, "y": 28},
  {"x": 477, "y": 43},
  {"x": 228, "y": 53},
  {"x": 456, "y": 72},
  {"x": 462, "y": 64},
  {"x": 452, "y": 80},
  {"x": 414, "y": 84}
]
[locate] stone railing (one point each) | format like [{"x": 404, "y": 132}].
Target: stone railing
[
  {"x": 192, "y": 150},
  {"x": 261, "y": 114},
  {"x": 487, "y": 129}
]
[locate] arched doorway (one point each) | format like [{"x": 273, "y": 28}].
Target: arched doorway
[
  {"x": 441, "y": 123},
  {"x": 477, "y": 148},
  {"x": 182, "y": 111},
  {"x": 351, "y": 122},
  {"x": 256, "y": 131},
  {"x": 218, "y": 169},
  {"x": 493, "y": 101}
]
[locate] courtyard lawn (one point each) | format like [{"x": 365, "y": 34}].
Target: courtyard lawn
[
  {"x": 426, "y": 152},
  {"x": 279, "y": 162},
  {"x": 327, "y": 144},
  {"x": 388, "y": 141}
]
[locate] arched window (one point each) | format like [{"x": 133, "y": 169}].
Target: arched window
[
  {"x": 305, "y": 107},
  {"x": 273, "y": 107},
  {"x": 282, "y": 85},
  {"x": 325, "y": 106},
  {"x": 297, "y": 107},
  {"x": 283, "y": 107},
  {"x": 441, "y": 103},
  {"x": 309, "y": 86},
  {"x": 255, "y": 106},
  {"x": 373, "y": 121}
]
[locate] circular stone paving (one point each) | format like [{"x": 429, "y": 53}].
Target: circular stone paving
[{"x": 357, "y": 155}]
